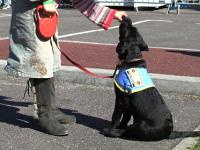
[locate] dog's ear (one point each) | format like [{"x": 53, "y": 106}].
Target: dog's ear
[{"x": 142, "y": 44}]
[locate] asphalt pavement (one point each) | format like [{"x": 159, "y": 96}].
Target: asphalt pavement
[
  {"x": 91, "y": 100},
  {"x": 93, "y": 107}
]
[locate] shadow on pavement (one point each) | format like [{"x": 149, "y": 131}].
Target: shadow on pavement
[
  {"x": 191, "y": 53},
  {"x": 87, "y": 120},
  {"x": 9, "y": 113},
  {"x": 174, "y": 135}
]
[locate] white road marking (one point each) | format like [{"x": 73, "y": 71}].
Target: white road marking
[
  {"x": 96, "y": 43},
  {"x": 90, "y": 43},
  {"x": 179, "y": 49},
  {"x": 4, "y": 15},
  {"x": 108, "y": 44},
  {"x": 114, "y": 27},
  {"x": 4, "y": 38}
]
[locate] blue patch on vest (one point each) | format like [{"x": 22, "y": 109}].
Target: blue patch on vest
[{"x": 131, "y": 80}]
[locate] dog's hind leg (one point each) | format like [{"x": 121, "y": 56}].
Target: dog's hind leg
[{"x": 144, "y": 130}]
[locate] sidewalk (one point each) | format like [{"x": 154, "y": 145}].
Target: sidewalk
[{"x": 93, "y": 107}]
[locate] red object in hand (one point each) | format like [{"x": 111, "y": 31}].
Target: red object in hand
[{"x": 46, "y": 22}]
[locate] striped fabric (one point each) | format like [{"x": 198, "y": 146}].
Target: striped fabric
[
  {"x": 99, "y": 14},
  {"x": 96, "y": 12}
]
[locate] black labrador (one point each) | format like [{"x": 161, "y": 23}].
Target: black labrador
[{"x": 136, "y": 95}]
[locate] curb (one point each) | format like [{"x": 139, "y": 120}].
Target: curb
[{"x": 164, "y": 83}]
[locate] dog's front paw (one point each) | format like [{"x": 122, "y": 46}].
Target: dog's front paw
[{"x": 110, "y": 132}]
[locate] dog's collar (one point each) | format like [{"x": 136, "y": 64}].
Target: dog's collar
[{"x": 130, "y": 61}]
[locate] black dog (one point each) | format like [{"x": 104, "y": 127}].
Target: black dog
[{"x": 136, "y": 94}]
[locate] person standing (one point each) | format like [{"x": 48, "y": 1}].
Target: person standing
[{"x": 33, "y": 57}]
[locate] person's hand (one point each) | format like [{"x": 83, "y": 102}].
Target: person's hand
[
  {"x": 50, "y": 6},
  {"x": 120, "y": 14}
]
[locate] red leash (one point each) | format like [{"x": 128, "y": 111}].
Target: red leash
[{"x": 86, "y": 70}]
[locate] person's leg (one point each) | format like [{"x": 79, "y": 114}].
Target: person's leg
[
  {"x": 45, "y": 94},
  {"x": 60, "y": 116}
]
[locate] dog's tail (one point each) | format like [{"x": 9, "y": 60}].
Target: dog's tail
[{"x": 184, "y": 134}]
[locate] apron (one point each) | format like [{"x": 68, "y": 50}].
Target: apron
[{"x": 30, "y": 55}]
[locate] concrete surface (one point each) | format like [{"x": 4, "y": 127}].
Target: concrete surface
[
  {"x": 93, "y": 108},
  {"x": 92, "y": 100}
]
